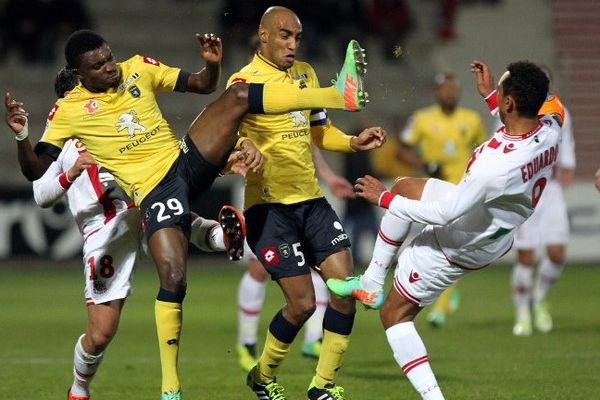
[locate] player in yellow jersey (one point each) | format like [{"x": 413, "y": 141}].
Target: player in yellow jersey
[
  {"x": 113, "y": 112},
  {"x": 439, "y": 139},
  {"x": 291, "y": 226}
]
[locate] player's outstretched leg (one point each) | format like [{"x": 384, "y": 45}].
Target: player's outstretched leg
[{"x": 234, "y": 231}]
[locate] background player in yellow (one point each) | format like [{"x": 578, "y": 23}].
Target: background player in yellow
[
  {"x": 439, "y": 140},
  {"x": 290, "y": 224},
  {"x": 113, "y": 112}
]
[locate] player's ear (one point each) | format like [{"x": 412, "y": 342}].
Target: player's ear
[{"x": 509, "y": 104}]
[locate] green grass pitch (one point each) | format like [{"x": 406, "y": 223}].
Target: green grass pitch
[{"x": 474, "y": 356}]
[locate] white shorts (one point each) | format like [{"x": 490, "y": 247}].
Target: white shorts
[
  {"x": 423, "y": 272},
  {"x": 110, "y": 256},
  {"x": 549, "y": 223}
]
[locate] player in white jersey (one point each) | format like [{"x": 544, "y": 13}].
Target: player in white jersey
[
  {"x": 549, "y": 227},
  {"x": 469, "y": 225}
]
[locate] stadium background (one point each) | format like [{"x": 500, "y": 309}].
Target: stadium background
[{"x": 562, "y": 34}]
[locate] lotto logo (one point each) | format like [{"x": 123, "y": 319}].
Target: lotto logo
[
  {"x": 270, "y": 255},
  {"x": 238, "y": 80},
  {"x": 150, "y": 60},
  {"x": 52, "y": 112}
]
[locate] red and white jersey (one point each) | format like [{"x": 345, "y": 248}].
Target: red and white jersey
[
  {"x": 475, "y": 221},
  {"x": 94, "y": 198}
]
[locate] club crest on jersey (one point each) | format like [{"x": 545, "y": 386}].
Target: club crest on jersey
[
  {"x": 91, "y": 106},
  {"x": 134, "y": 91},
  {"x": 131, "y": 122},
  {"x": 299, "y": 119},
  {"x": 284, "y": 250}
]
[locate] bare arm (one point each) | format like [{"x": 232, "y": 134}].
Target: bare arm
[
  {"x": 205, "y": 81},
  {"x": 32, "y": 165}
]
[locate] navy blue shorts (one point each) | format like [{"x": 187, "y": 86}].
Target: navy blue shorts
[
  {"x": 290, "y": 239},
  {"x": 168, "y": 204}
]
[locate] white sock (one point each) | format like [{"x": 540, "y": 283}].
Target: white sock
[
  {"x": 548, "y": 273},
  {"x": 84, "y": 369},
  {"x": 313, "y": 328},
  {"x": 392, "y": 232},
  {"x": 411, "y": 355},
  {"x": 251, "y": 295},
  {"x": 207, "y": 235},
  {"x": 521, "y": 282}
]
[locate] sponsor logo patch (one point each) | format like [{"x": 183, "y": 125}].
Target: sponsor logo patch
[{"x": 270, "y": 256}]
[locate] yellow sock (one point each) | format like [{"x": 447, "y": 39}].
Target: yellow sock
[
  {"x": 333, "y": 348},
  {"x": 271, "y": 359},
  {"x": 279, "y": 98},
  {"x": 168, "y": 327},
  {"x": 443, "y": 302}
]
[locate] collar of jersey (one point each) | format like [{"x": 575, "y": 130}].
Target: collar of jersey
[
  {"x": 97, "y": 95},
  {"x": 521, "y": 137},
  {"x": 269, "y": 63}
]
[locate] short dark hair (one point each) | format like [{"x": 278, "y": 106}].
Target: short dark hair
[
  {"x": 79, "y": 43},
  {"x": 65, "y": 81},
  {"x": 528, "y": 85}
]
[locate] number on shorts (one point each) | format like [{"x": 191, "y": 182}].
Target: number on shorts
[
  {"x": 107, "y": 270},
  {"x": 298, "y": 253},
  {"x": 172, "y": 204},
  {"x": 538, "y": 189}
]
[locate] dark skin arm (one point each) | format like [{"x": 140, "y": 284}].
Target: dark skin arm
[
  {"x": 211, "y": 51},
  {"x": 32, "y": 166}
]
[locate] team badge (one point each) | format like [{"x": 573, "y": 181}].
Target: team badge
[
  {"x": 134, "y": 91},
  {"x": 284, "y": 250},
  {"x": 298, "y": 118}
]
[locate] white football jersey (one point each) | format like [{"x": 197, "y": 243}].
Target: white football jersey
[
  {"x": 474, "y": 222},
  {"x": 94, "y": 198}
]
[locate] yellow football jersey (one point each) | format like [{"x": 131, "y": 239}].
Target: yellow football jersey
[
  {"x": 123, "y": 128},
  {"x": 284, "y": 139},
  {"x": 447, "y": 140}
]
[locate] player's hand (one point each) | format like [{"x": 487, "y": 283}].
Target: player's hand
[
  {"x": 212, "y": 48},
  {"x": 16, "y": 116},
  {"x": 484, "y": 80},
  {"x": 252, "y": 156},
  {"x": 369, "y": 188},
  {"x": 83, "y": 162},
  {"x": 236, "y": 164},
  {"x": 340, "y": 187},
  {"x": 370, "y": 138}
]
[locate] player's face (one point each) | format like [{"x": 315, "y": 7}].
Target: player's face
[
  {"x": 98, "y": 70},
  {"x": 447, "y": 94},
  {"x": 280, "y": 42}
]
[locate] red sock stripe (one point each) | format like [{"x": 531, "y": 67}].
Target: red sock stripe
[
  {"x": 400, "y": 289},
  {"x": 406, "y": 368},
  {"x": 388, "y": 240}
]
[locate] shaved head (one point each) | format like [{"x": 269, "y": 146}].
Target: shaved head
[{"x": 279, "y": 33}]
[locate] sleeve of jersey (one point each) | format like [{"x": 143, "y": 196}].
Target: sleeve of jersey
[
  {"x": 328, "y": 137},
  {"x": 566, "y": 154},
  {"x": 468, "y": 194},
  {"x": 164, "y": 78},
  {"x": 57, "y": 132},
  {"x": 51, "y": 186},
  {"x": 492, "y": 102}
]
